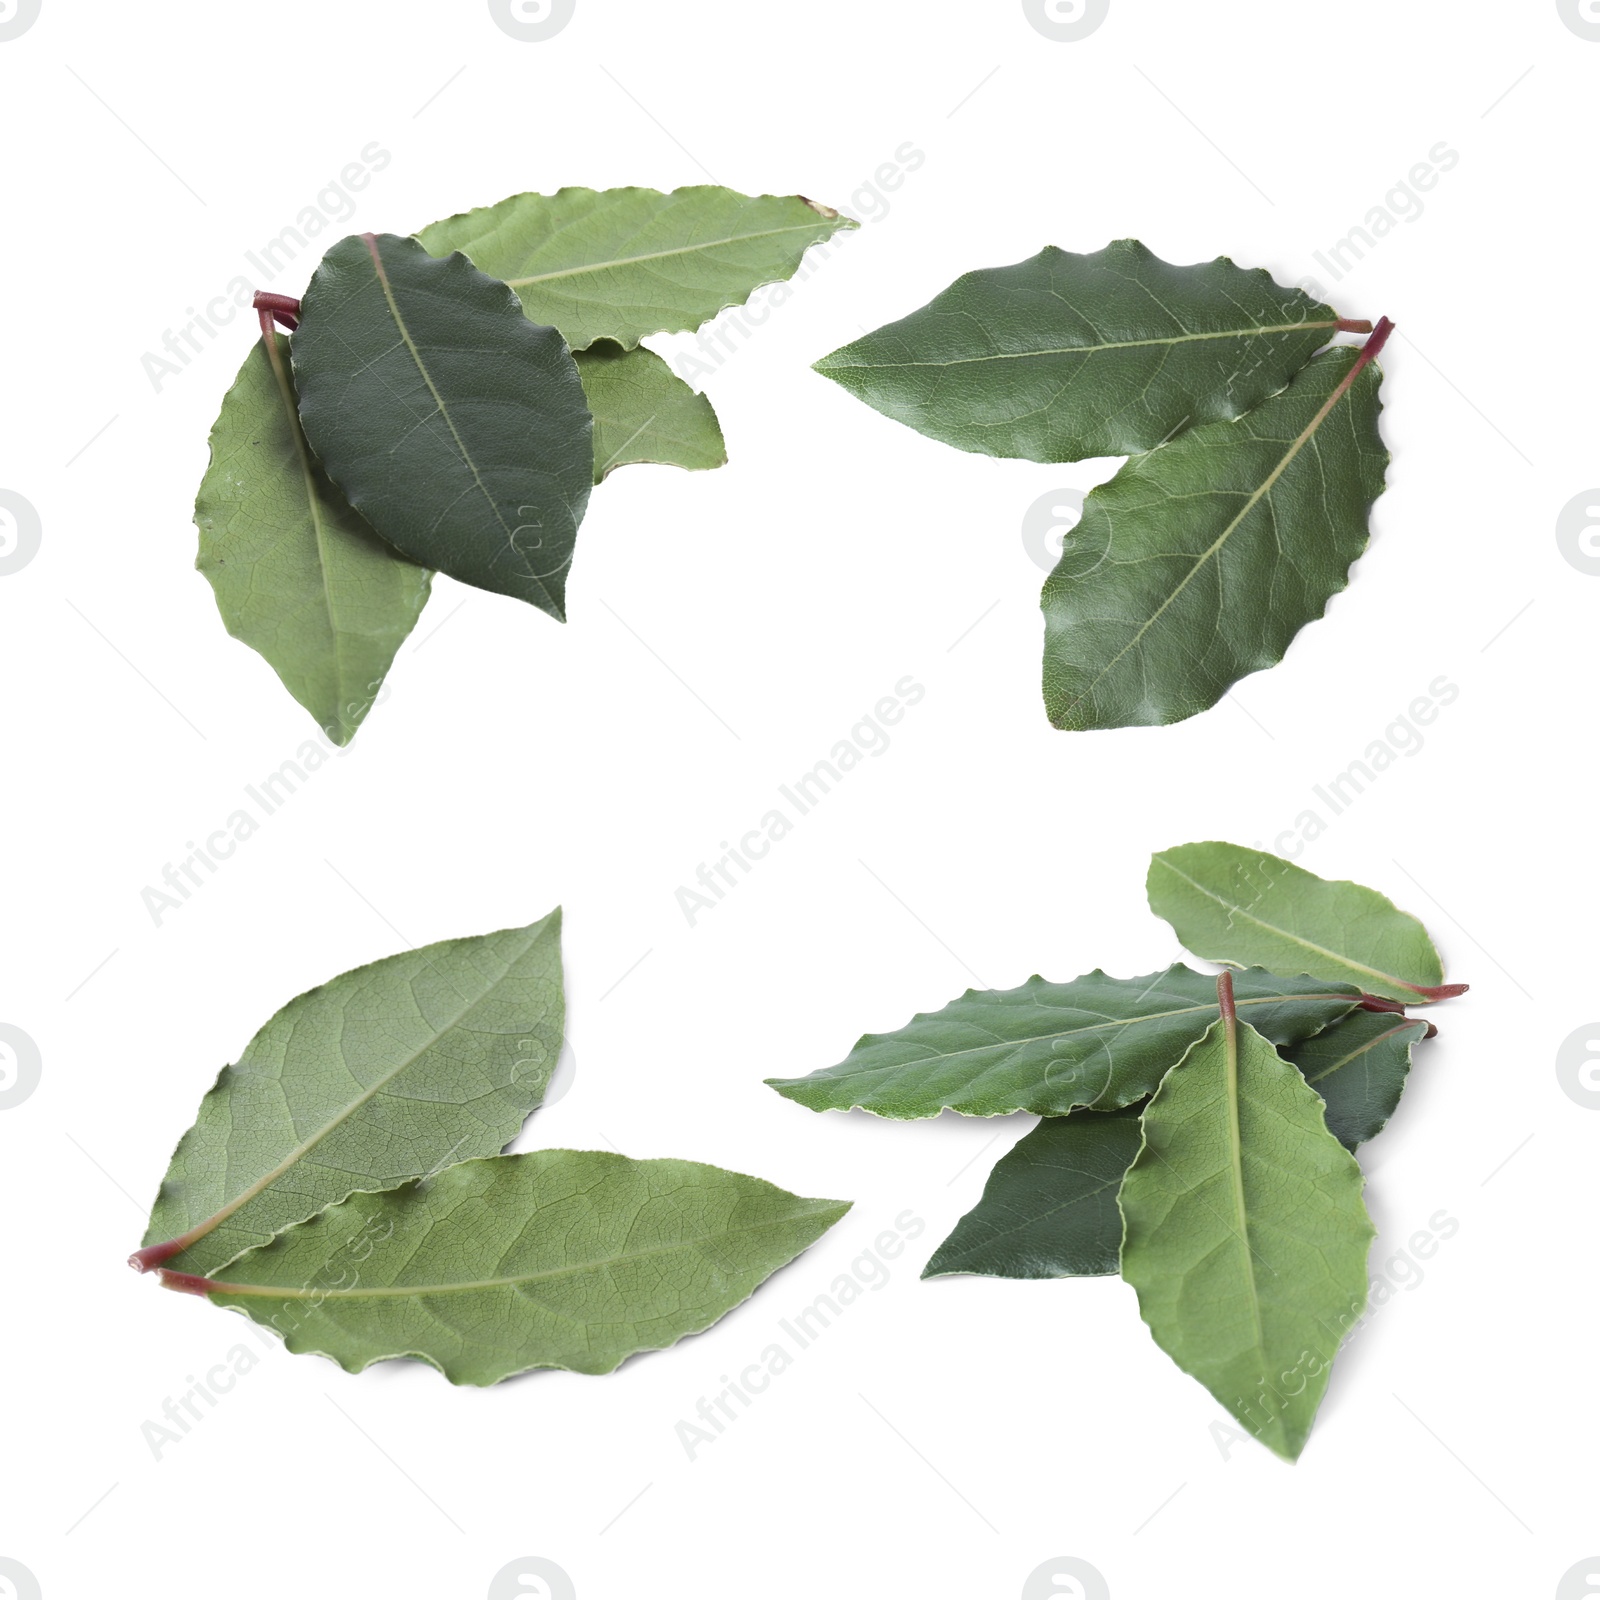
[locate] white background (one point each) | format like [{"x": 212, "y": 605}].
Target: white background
[{"x": 726, "y": 630}]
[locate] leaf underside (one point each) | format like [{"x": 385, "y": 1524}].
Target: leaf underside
[
  {"x": 298, "y": 574},
  {"x": 1046, "y": 1047},
  {"x": 1246, "y": 1236},
  {"x": 1049, "y": 1209},
  {"x": 625, "y": 263},
  {"x": 644, "y": 412},
  {"x": 1359, "y": 1067},
  {"x": 457, "y": 428},
  {"x": 557, "y": 1258},
  {"x": 1063, "y": 356},
  {"x": 381, "y": 1075},
  {"x": 1241, "y": 906},
  {"x": 1199, "y": 562}
]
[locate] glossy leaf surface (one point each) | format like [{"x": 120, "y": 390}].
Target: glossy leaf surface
[
  {"x": 1199, "y": 562},
  {"x": 1050, "y": 1047},
  {"x": 383, "y": 1074},
  {"x": 298, "y": 575},
  {"x": 1359, "y": 1067},
  {"x": 1066, "y": 356},
  {"x": 557, "y": 1258},
  {"x": 1049, "y": 1209},
  {"x": 455, "y": 426},
  {"x": 1246, "y": 1235}
]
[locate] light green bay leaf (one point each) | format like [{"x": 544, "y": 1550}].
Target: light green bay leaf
[
  {"x": 1048, "y": 1048},
  {"x": 644, "y": 412},
  {"x": 557, "y": 1258},
  {"x": 298, "y": 575},
  {"x": 625, "y": 263},
  {"x": 1359, "y": 1067},
  {"x": 1065, "y": 356},
  {"x": 1246, "y": 1236},
  {"x": 1248, "y": 908},
  {"x": 383, "y": 1074},
  {"x": 455, "y": 426},
  {"x": 1199, "y": 562},
  {"x": 1049, "y": 1209}
]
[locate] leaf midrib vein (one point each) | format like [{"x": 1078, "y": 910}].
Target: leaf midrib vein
[{"x": 656, "y": 255}]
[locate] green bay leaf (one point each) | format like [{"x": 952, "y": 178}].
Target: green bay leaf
[
  {"x": 625, "y": 263},
  {"x": 1199, "y": 562},
  {"x": 1359, "y": 1067},
  {"x": 1064, "y": 356},
  {"x": 1248, "y": 908},
  {"x": 1246, "y": 1236},
  {"x": 455, "y": 426},
  {"x": 557, "y": 1258},
  {"x": 1049, "y": 1048},
  {"x": 383, "y": 1074},
  {"x": 1049, "y": 1209},
  {"x": 644, "y": 412},
  {"x": 298, "y": 575}
]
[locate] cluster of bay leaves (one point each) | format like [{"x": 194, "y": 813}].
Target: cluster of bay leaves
[
  {"x": 446, "y": 403},
  {"x": 344, "y": 1184},
  {"x": 1253, "y": 463},
  {"x": 1198, "y": 1132}
]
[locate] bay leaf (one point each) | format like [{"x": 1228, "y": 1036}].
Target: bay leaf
[
  {"x": 1199, "y": 562},
  {"x": 1245, "y": 907},
  {"x": 624, "y": 263},
  {"x": 1246, "y": 1235},
  {"x": 1049, "y": 1209},
  {"x": 298, "y": 575},
  {"x": 383, "y": 1074},
  {"x": 455, "y": 426},
  {"x": 1359, "y": 1067},
  {"x": 1048, "y": 1048},
  {"x": 557, "y": 1258},
  {"x": 644, "y": 412},
  {"x": 1064, "y": 356}
]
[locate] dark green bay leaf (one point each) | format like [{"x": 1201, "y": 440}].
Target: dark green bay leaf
[
  {"x": 1246, "y": 1235},
  {"x": 456, "y": 427},
  {"x": 1064, "y": 356},
  {"x": 1048, "y": 1048},
  {"x": 383, "y": 1074},
  {"x": 298, "y": 575},
  {"x": 1359, "y": 1067},
  {"x": 644, "y": 412},
  {"x": 558, "y": 1258},
  {"x": 1049, "y": 1209},
  {"x": 1248, "y": 908},
  {"x": 1199, "y": 562},
  {"x": 624, "y": 263}
]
